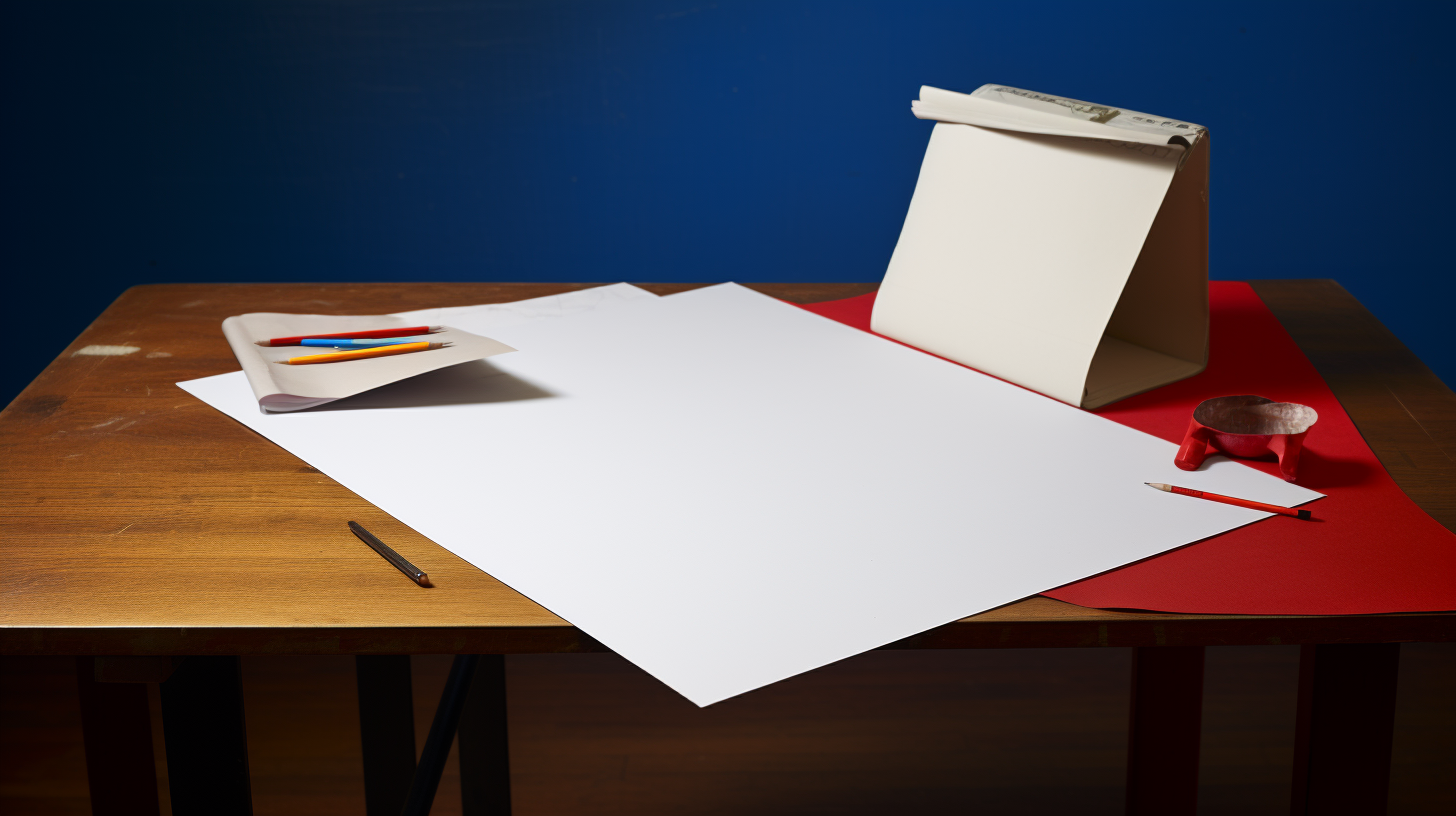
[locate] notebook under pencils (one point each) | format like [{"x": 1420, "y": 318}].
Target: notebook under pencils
[{"x": 294, "y": 388}]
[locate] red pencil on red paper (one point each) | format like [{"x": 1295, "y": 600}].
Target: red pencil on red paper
[
  {"x": 1252, "y": 505},
  {"x": 355, "y": 335}
]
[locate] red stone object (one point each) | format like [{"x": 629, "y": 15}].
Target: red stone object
[{"x": 1247, "y": 426}]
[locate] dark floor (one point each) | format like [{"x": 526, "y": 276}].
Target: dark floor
[{"x": 985, "y": 732}]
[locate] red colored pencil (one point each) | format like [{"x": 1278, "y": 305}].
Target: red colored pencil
[
  {"x": 1252, "y": 505},
  {"x": 404, "y": 332}
]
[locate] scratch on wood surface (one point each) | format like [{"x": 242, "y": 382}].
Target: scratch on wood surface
[
  {"x": 124, "y": 529},
  {"x": 1435, "y": 443},
  {"x": 104, "y": 424},
  {"x": 152, "y": 355},
  {"x": 104, "y": 351}
]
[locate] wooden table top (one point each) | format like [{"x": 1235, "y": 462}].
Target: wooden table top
[{"x": 135, "y": 519}]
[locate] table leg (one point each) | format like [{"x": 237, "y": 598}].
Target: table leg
[
  {"x": 1163, "y": 734},
  {"x": 207, "y": 744},
  {"x": 442, "y": 732},
  {"x": 117, "y": 728},
  {"x": 485, "y": 758},
  {"x": 386, "y": 731},
  {"x": 1344, "y": 728}
]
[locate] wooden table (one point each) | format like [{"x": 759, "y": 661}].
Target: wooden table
[{"x": 140, "y": 526}]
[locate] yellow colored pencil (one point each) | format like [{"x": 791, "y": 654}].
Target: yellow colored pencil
[{"x": 361, "y": 354}]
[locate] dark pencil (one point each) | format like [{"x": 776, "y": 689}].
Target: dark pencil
[{"x": 390, "y": 555}]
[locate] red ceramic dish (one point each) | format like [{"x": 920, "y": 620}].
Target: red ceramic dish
[{"x": 1247, "y": 426}]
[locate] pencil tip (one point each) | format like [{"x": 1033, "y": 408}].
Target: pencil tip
[{"x": 260, "y": 343}]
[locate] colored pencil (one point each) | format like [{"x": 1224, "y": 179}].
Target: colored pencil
[
  {"x": 361, "y": 354},
  {"x": 1252, "y": 505},
  {"x": 390, "y": 555},
  {"x": 346, "y": 343},
  {"x": 404, "y": 332}
]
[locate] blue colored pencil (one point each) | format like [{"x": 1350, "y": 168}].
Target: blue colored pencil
[{"x": 336, "y": 342}]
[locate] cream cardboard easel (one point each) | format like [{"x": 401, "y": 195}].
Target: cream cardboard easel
[{"x": 1060, "y": 245}]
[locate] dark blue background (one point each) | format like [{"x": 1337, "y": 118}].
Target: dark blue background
[{"x": 673, "y": 141}]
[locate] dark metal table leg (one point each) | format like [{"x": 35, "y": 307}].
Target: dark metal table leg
[
  {"x": 1344, "y": 729},
  {"x": 442, "y": 732},
  {"x": 207, "y": 743},
  {"x": 386, "y": 731},
  {"x": 117, "y": 727},
  {"x": 1163, "y": 735},
  {"x": 485, "y": 759}
]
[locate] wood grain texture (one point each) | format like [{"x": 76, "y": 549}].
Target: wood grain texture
[
  {"x": 138, "y": 520},
  {"x": 1404, "y": 411}
]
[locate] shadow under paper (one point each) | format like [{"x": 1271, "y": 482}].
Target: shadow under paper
[{"x": 474, "y": 383}]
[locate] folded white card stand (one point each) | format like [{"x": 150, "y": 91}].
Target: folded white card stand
[{"x": 1057, "y": 244}]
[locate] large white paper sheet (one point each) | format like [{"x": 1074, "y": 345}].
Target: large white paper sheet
[
  {"x": 487, "y": 318},
  {"x": 728, "y": 490}
]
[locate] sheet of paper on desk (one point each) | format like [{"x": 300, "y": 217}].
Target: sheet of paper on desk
[
  {"x": 671, "y": 477},
  {"x": 280, "y": 387},
  {"x": 490, "y": 317},
  {"x": 288, "y": 388}
]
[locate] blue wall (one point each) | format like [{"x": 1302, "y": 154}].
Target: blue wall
[{"x": 659, "y": 141}]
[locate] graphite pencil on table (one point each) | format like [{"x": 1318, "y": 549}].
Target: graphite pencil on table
[{"x": 414, "y": 573}]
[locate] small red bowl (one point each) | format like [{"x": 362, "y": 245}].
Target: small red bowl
[{"x": 1247, "y": 426}]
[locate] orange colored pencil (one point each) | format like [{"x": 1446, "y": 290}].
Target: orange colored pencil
[
  {"x": 361, "y": 354},
  {"x": 1252, "y": 505}
]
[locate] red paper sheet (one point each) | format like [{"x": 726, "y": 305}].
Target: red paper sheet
[{"x": 1372, "y": 550}]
